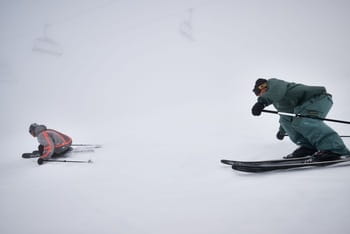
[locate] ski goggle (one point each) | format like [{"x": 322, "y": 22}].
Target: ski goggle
[
  {"x": 257, "y": 89},
  {"x": 32, "y": 128}
]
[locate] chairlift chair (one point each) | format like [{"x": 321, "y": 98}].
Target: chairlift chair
[{"x": 47, "y": 45}]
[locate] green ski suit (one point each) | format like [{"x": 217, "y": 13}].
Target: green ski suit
[{"x": 306, "y": 100}]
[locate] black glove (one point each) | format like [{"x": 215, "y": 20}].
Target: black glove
[
  {"x": 257, "y": 108},
  {"x": 41, "y": 149},
  {"x": 40, "y": 161},
  {"x": 280, "y": 135}
]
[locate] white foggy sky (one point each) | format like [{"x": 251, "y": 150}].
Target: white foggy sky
[{"x": 166, "y": 109}]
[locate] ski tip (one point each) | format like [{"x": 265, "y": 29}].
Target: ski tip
[
  {"x": 226, "y": 162},
  {"x": 30, "y": 155}
]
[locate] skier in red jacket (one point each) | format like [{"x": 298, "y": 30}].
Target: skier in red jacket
[{"x": 51, "y": 142}]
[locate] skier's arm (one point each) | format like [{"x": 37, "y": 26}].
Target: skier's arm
[
  {"x": 281, "y": 133},
  {"x": 49, "y": 147},
  {"x": 276, "y": 90}
]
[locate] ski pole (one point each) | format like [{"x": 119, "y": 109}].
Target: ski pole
[
  {"x": 342, "y": 136},
  {"x": 68, "y": 161},
  {"x": 88, "y": 145},
  {"x": 305, "y": 116}
]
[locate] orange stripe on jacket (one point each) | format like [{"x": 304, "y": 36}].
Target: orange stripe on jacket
[
  {"x": 49, "y": 148},
  {"x": 66, "y": 140}
]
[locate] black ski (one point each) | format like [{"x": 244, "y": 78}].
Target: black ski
[
  {"x": 284, "y": 165},
  {"x": 274, "y": 161},
  {"x": 79, "y": 149},
  {"x": 34, "y": 154}
]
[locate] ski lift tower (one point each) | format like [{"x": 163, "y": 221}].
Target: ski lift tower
[
  {"x": 186, "y": 26},
  {"x": 47, "y": 45}
]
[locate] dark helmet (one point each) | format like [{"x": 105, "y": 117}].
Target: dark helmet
[
  {"x": 258, "y": 85},
  {"x": 32, "y": 128},
  {"x": 35, "y": 128}
]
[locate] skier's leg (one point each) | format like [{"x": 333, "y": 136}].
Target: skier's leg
[
  {"x": 319, "y": 134},
  {"x": 294, "y": 135},
  {"x": 61, "y": 151}
]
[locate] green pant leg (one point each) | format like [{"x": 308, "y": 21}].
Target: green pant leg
[
  {"x": 293, "y": 134},
  {"x": 319, "y": 134}
]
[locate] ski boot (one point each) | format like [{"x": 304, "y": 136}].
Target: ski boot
[
  {"x": 325, "y": 156},
  {"x": 300, "y": 152}
]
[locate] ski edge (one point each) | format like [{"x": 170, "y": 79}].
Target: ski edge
[
  {"x": 35, "y": 154},
  {"x": 231, "y": 162},
  {"x": 87, "y": 145},
  {"x": 271, "y": 167}
]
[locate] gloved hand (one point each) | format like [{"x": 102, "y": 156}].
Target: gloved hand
[
  {"x": 41, "y": 149},
  {"x": 280, "y": 135},
  {"x": 40, "y": 161},
  {"x": 257, "y": 108}
]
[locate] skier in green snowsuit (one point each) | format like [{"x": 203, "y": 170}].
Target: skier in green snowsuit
[{"x": 312, "y": 136}]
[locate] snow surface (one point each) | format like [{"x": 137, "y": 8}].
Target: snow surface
[{"x": 165, "y": 86}]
